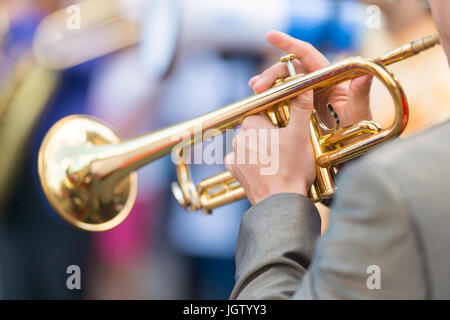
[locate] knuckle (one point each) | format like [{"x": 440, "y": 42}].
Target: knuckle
[
  {"x": 290, "y": 44},
  {"x": 228, "y": 157},
  {"x": 304, "y": 100},
  {"x": 229, "y": 161},
  {"x": 244, "y": 125},
  {"x": 309, "y": 46},
  {"x": 273, "y": 71},
  {"x": 247, "y": 123},
  {"x": 253, "y": 123},
  {"x": 267, "y": 75}
]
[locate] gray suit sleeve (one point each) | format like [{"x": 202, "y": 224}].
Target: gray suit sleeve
[
  {"x": 275, "y": 244},
  {"x": 369, "y": 251}
]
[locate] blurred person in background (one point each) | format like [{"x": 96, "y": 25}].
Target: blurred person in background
[{"x": 35, "y": 247}]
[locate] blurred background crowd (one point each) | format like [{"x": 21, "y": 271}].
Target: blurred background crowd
[{"x": 144, "y": 64}]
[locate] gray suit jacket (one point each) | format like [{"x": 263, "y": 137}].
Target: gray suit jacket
[{"x": 390, "y": 221}]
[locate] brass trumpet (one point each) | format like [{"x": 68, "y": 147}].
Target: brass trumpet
[{"x": 88, "y": 175}]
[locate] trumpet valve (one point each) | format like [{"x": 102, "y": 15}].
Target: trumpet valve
[
  {"x": 288, "y": 61},
  {"x": 280, "y": 114}
]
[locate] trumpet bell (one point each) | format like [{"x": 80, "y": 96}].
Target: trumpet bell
[{"x": 82, "y": 198}]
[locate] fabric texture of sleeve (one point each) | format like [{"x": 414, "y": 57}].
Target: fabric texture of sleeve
[
  {"x": 370, "y": 235},
  {"x": 275, "y": 246}
]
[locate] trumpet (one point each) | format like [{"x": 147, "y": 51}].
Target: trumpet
[{"x": 88, "y": 174}]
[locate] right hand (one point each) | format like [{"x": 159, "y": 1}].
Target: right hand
[{"x": 296, "y": 160}]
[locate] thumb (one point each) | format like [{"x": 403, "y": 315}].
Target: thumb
[
  {"x": 301, "y": 109},
  {"x": 358, "y": 107}
]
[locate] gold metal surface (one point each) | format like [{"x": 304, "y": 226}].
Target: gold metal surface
[
  {"x": 87, "y": 198},
  {"x": 56, "y": 46},
  {"x": 25, "y": 90},
  {"x": 33, "y": 75},
  {"x": 87, "y": 174},
  {"x": 288, "y": 57},
  {"x": 21, "y": 104}
]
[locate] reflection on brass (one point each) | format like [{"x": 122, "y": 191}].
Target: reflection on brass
[
  {"x": 58, "y": 46},
  {"x": 34, "y": 76},
  {"x": 25, "y": 89},
  {"x": 88, "y": 175},
  {"x": 21, "y": 103}
]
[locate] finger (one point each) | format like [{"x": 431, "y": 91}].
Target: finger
[
  {"x": 309, "y": 56},
  {"x": 257, "y": 121},
  {"x": 240, "y": 149},
  {"x": 270, "y": 75},
  {"x": 252, "y": 81},
  {"x": 358, "y": 106},
  {"x": 229, "y": 162},
  {"x": 301, "y": 109},
  {"x": 337, "y": 96}
]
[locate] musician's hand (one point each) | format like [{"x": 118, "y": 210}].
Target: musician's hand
[
  {"x": 265, "y": 165},
  {"x": 350, "y": 100},
  {"x": 293, "y": 152}
]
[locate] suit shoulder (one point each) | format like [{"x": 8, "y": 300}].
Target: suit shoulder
[
  {"x": 426, "y": 147},
  {"x": 402, "y": 169}
]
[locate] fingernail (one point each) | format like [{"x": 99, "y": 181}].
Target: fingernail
[
  {"x": 258, "y": 83},
  {"x": 252, "y": 81}
]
